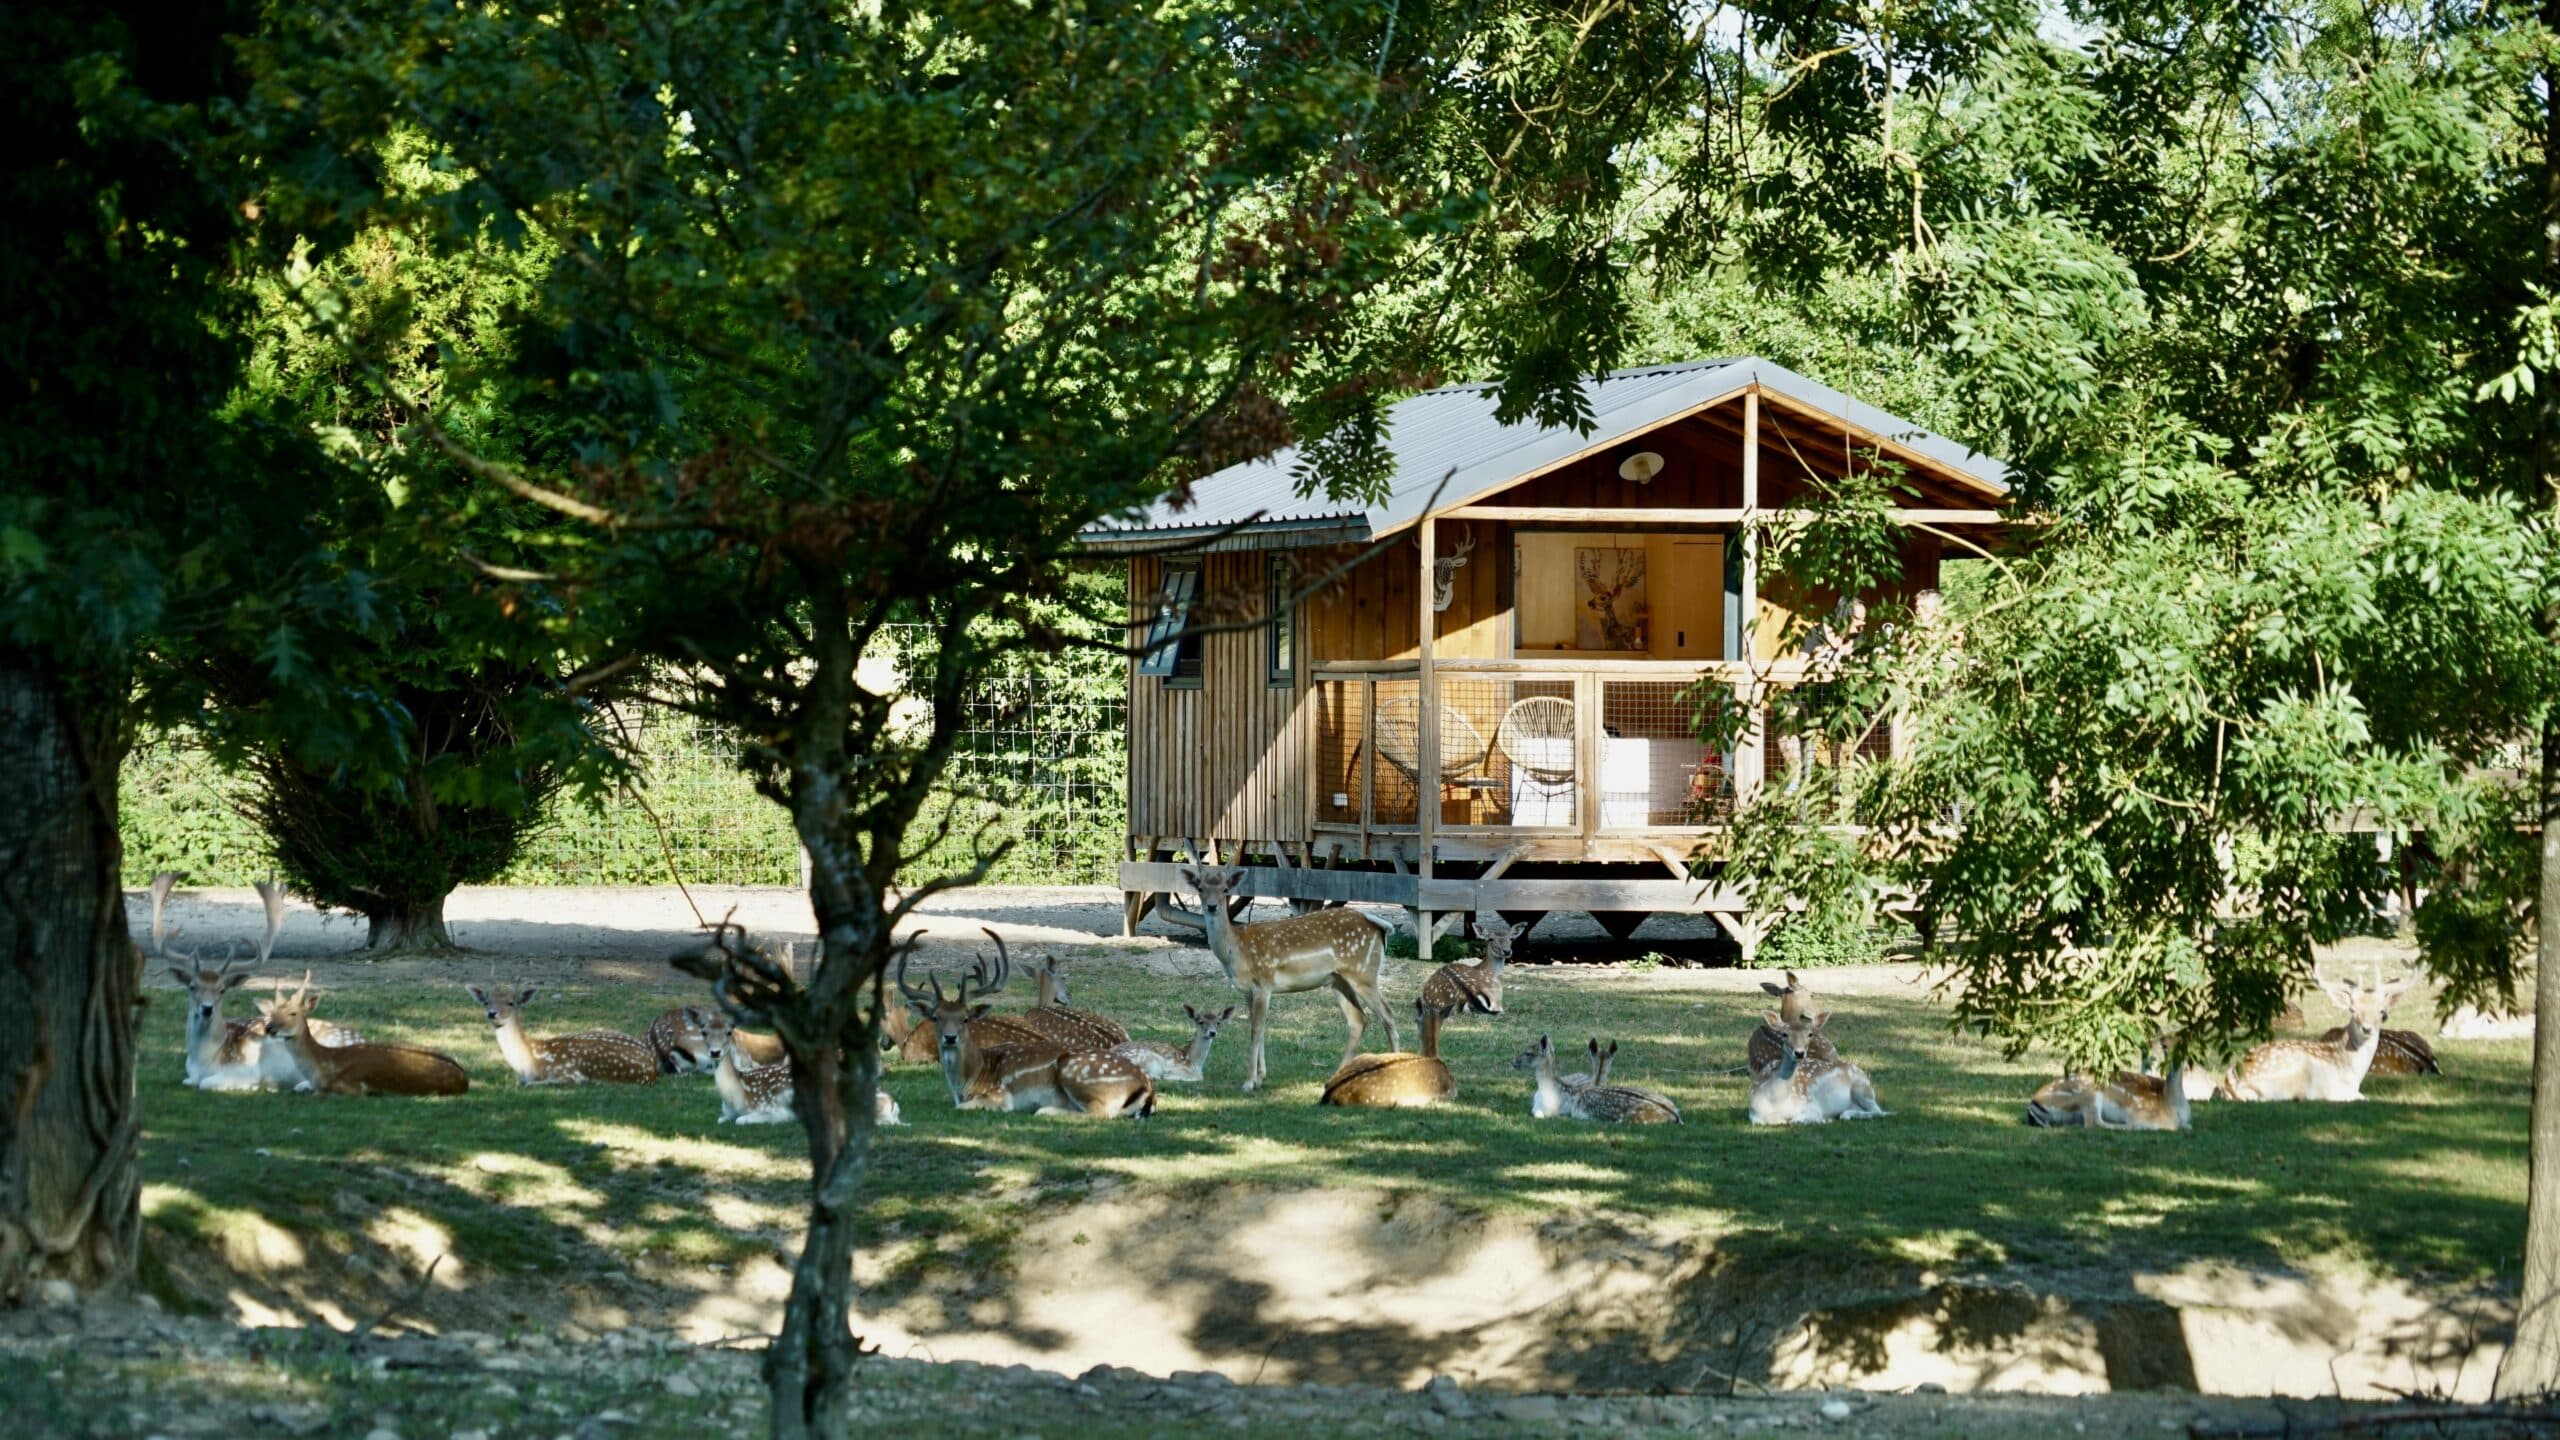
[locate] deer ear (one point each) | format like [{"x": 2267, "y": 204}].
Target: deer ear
[
  {"x": 234, "y": 982},
  {"x": 179, "y": 974},
  {"x": 526, "y": 998},
  {"x": 476, "y": 992},
  {"x": 1791, "y": 978},
  {"x": 1190, "y": 877},
  {"x": 1190, "y": 1014},
  {"x": 979, "y": 1012},
  {"x": 1820, "y": 1019},
  {"x": 1771, "y": 1019},
  {"x": 1227, "y": 1014},
  {"x": 1613, "y": 1048},
  {"x": 1773, "y": 989}
]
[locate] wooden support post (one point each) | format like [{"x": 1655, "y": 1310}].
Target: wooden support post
[
  {"x": 1751, "y": 751},
  {"x": 1368, "y": 761},
  {"x": 1588, "y": 748},
  {"x": 1426, "y": 801}
]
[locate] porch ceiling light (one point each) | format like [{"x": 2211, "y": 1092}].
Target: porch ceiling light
[{"x": 1640, "y": 467}]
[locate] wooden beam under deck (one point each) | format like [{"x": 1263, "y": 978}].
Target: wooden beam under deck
[{"x": 1446, "y": 893}]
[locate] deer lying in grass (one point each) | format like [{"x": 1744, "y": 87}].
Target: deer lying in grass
[
  {"x": 675, "y": 1040},
  {"x": 230, "y": 1054},
  {"x": 1601, "y": 1060},
  {"x": 1055, "y": 1019},
  {"x": 1477, "y": 987},
  {"x": 1282, "y": 957},
  {"x": 753, "y": 1094},
  {"x": 606, "y": 1055},
  {"x": 1032, "y": 1073},
  {"x": 1768, "y": 1039},
  {"x": 1608, "y": 1104},
  {"x": 1397, "y": 1080},
  {"x": 1804, "y": 1089},
  {"x": 1163, "y": 1060},
  {"x": 362, "y": 1069},
  {"x": 2331, "y": 1070},
  {"x": 2398, "y": 1052},
  {"x": 2470, "y": 1022},
  {"x": 2126, "y": 1101}
]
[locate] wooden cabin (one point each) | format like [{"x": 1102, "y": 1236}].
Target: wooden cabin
[{"x": 1482, "y": 692}]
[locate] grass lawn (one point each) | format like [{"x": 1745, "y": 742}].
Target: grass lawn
[{"x": 2426, "y": 1179}]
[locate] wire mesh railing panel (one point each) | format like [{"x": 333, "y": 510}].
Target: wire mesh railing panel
[
  {"x": 1655, "y": 771},
  {"x": 1395, "y": 737},
  {"x": 1342, "y": 711}
]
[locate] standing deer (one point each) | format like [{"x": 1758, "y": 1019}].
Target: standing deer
[
  {"x": 363, "y": 1069},
  {"x": 1553, "y": 1095},
  {"x": 1397, "y": 1080},
  {"x": 1803, "y": 1089},
  {"x": 2127, "y": 1101},
  {"x": 1477, "y": 987},
  {"x": 606, "y": 1055},
  {"x": 1768, "y": 1039},
  {"x": 1031, "y": 1073},
  {"x": 1336, "y": 947},
  {"x": 1165, "y": 1061},
  {"x": 2320, "y": 1069}
]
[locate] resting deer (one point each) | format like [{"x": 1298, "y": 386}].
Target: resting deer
[
  {"x": 2319, "y": 1069},
  {"x": 1164, "y": 1061},
  {"x": 2470, "y": 1022},
  {"x": 1022, "y": 1074},
  {"x": 1283, "y": 957},
  {"x": 1397, "y": 1080},
  {"x": 675, "y": 1039},
  {"x": 1553, "y": 1095},
  {"x": 606, "y": 1055},
  {"x": 1055, "y": 1019},
  {"x": 2127, "y": 1101},
  {"x": 753, "y": 1094},
  {"x": 2399, "y": 1052},
  {"x": 1476, "y": 987},
  {"x": 229, "y": 1054},
  {"x": 1804, "y": 1089},
  {"x": 1601, "y": 1060},
  {"x": 1768, "y": 1039},
  {"x": 361, "y": 1069}
]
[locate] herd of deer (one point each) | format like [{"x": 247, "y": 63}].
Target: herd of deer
[{"x": 1056, "y": 1059}]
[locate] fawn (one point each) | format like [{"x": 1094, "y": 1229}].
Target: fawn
[
  {"x": 2320, "y": 1069},
  {"x": 1803, "y": 1089},
  {"x": 1165, "y": 1061},
  {"x": 1552, "y": 1095},
  {"x": 606, "y": 1055}
]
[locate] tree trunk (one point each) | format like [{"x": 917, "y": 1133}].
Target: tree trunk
[
  {"x": 809, "y": 1367},
  {"x": 2532, "y": 1366},
  {"x": 408, "y": 925},
  {"x": 70, "y": 995}
]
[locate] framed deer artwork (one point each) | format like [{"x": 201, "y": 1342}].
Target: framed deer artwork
[{"x": 1613, "y": 608}]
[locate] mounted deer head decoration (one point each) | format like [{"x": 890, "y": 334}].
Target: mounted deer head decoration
[{"x": 1445, "y": 568}]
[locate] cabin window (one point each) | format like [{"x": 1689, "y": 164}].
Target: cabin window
[
  {"x": 1171, "y": 653},
  {"x": 1284, "y": 642}
]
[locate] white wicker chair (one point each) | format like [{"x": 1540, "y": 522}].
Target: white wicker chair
[
  {"x": 1537, "y": 733},
  {"x": 1463, "y": 751}
]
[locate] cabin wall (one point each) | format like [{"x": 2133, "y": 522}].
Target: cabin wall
[{"x": 1227, "y": 761}]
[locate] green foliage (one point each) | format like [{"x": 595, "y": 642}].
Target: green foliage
[{"x": 1400, "y": 946}]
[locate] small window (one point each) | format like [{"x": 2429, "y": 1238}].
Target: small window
[
  {"x": 1284, "y": 641},
  {"x": 1171, "y": 653}
]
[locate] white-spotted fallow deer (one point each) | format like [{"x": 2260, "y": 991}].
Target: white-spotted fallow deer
[
  {"x": 1803, "y": 1089},
  {"x": 1281, "y": 957},
  {"x": 675, "y": 1039},
  {"x": 1163, "y": 1060},
  {"x": 362, "y": 1069},
  {"x": 2126, "y": 1101},
  {"x": 1768, "y": 1040},
  {"x": 1478, "y": 987},
  {"x": 1033, "y": 1073},
  {"x": 1554, "y": 1095},
  {"x": 1055, "y": 1018},
  {"x": 1397, "y": 1080},
  {"x": 230, "y": 1054},
  {"x": 2470, "y": 1022},
  {"x": 604, "y": 1055},
  {"x": 753, "y": 1094},
  {"x": 2319, "y": 1069}
]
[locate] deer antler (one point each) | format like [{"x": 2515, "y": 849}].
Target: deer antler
[
  {"x": 1004, "y": 961},
  {"x": 916, "y": 996}
]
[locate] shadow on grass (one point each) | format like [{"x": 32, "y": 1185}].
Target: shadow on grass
[{"x": 601, "y": 1206}]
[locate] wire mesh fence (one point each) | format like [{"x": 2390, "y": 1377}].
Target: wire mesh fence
[{"x": 1040, "y": 769}]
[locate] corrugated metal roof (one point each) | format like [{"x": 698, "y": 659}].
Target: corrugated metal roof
[{"x": 1448, "y": 449}]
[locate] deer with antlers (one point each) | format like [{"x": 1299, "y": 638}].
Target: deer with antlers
[
  {"x": 1034, "y": 1073},
  {"x": 606, "y": 1055},
  {"x": 363, "y": 1069},
  {"x": 2331, "y": 1070},
  {"x": 1457, "y": 987},
  {"x": 1279, "y": 957},
  {"x": 228, "y": 1054}
]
